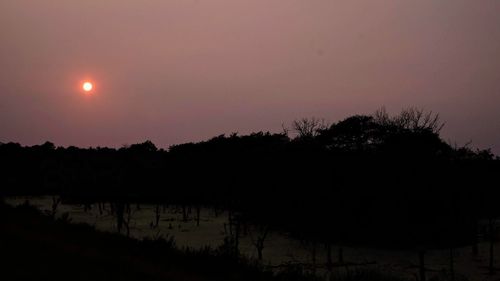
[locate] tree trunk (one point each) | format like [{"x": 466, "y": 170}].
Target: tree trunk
[
  {"x": 259, "y": 252},
  {"x": 55, "y": 203},
  {"x": 120, "y": 208},
  {"x": 475, "y": 250},
  {"x": 314, "y": 256},
  {"x": 341, "y": 255},
  {"x": 237, "y": 238},
  {"x": 492, "y": 247},
  {"x": 128, "y": 219},
  {"x": 184, "y": 213},
  {"x": 157, "y": 216},
  {"x": 452, "y": 265},
  {"x": 421, "y": 259},
  {"x": 329, "y": 262},
  {"x": 198, "y": 211}
]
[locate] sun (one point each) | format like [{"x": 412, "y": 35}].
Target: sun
[{"x": 87, "y": 86}]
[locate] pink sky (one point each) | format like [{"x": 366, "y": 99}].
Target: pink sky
[{"x": 174, "y": 71}]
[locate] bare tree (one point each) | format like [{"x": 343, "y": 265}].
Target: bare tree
[
  {"x": 258, "y": 241},
  {"x": 491, "y": 228},
  {"x": 452, "y": 264},
  {"x": 184, "y": 213},
  {"x": 421, "y": 262},
  {"x": 157, "y": 217},
  {"x": 329, "y": 260},
  {"x": 382, "y": 117},
  {"x": 341, "y": 255},
  {"x": 127, "y": 219},
  {"x": 87, "y": 207},
  {"x": 119, "y": 208},
  {"x": 412, "y": 118},
  {"x": 232, "y": 231},
  {"x": 55, "y": 203},
  {"x": 100, "y": 208},
  {"x": 418, "y": 120},
  {"x": 308, "y": 128},
  {"x": 198, "y": 211},
  {"x": 285, "y": 129}
]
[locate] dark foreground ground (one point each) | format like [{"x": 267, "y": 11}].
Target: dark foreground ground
[{"x": 35, "y": 247}]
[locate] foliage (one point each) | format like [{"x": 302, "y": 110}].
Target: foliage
[{"x": 378, "y": 179}]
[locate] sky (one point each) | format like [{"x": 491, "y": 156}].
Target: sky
[{"x": 175, "y": 71}]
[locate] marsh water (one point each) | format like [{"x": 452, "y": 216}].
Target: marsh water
[{"x": 279, "y": 248}]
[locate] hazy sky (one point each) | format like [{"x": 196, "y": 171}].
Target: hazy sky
[{"x": 174, "y": 71}]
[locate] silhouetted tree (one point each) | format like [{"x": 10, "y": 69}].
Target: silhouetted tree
[
  {"x": 258, "y": 237},
  {"x": 56, "y": 200},
  {"x": 308, "y": 128}
]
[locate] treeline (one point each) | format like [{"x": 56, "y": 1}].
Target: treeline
[{"x": 374, "y": 179}]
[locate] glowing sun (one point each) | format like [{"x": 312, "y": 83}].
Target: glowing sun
[{"x": 87, "y": 86}]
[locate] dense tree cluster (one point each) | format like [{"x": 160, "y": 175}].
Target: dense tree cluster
[{"x": 374, "y": 179}]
